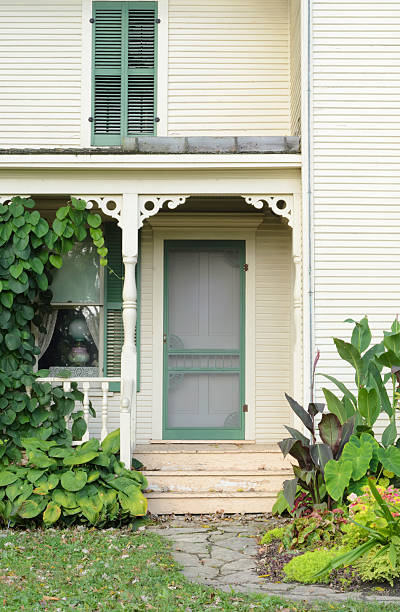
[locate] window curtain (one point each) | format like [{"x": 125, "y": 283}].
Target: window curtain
[
  {"x": 43, "y": 339},
  {"x": 92, "y": 317}
]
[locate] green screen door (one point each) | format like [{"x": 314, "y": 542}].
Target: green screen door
[{"x": 203, "y": 340}]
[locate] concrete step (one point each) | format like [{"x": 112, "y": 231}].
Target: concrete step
[
  {"x": 208, "y": 503},
  {"x": 219, "y": 481},
  {"x": 211, "y": 457}
]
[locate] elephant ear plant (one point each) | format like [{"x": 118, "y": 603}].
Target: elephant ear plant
[{"x": 312, "y": 456}]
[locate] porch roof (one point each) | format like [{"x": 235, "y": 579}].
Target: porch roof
[{"x": 181, "y": 145}]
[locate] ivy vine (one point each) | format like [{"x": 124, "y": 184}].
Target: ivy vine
[{"x": 30, "y": 251}]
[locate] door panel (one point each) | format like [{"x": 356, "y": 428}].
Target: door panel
[{"x": 203, "y": 352}]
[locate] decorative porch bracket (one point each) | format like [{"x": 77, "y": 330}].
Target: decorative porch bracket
[
  {"x": 289, "y": 208},
  {"x": 110, "y": 205},
  {"x": 150, "y": 205},
  {"x": 281, "y": 205},
  {"x": 6, "y": 199}
]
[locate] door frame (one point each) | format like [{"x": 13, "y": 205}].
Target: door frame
[
  {"x": 190, "y": 226},
  {"x": 206, "y": 433}
]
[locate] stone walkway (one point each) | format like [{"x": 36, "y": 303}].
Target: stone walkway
[{"x": 221, "y": 554}]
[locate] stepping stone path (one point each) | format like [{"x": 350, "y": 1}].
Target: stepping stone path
[{"x": 221, "y": 553}]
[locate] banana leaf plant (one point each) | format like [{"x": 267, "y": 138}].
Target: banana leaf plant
[
  {"x": 370, "y": 396},
  {"x": 311, "y": 455}
]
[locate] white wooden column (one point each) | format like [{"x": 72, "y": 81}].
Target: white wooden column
[
  {"x": 129, "y": 224},
  {"x": 297, "y": 353}
]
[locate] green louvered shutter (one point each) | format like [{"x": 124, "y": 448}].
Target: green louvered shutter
[
  {"x": 124, "y": 70},
  {"x": 113, "y": 327},
  {"x": 142, "y": 34}
]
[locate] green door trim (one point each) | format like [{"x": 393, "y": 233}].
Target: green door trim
[{"x": 205, "y": 433}]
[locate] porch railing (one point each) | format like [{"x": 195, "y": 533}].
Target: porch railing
[{"x": 106, "y": 404}]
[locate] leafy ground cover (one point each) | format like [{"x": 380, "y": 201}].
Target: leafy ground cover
[{"x": 115, "y": 569}]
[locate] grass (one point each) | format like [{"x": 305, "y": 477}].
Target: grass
[{"x": 115, "y": 569}]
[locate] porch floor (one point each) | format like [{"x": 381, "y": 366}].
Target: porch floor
[{"x": 199, "y": 478}]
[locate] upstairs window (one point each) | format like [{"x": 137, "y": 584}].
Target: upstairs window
[{"x": 124, "y": 71}]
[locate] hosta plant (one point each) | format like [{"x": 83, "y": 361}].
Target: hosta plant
[{"x": 65, "y": 485}]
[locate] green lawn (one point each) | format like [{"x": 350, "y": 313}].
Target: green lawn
[{"x": 97, "y": 570}]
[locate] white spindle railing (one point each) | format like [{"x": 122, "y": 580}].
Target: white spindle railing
[{"x": 97, "y": 391}]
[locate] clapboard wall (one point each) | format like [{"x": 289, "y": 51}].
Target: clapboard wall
[{"x": 356, "y": 162}]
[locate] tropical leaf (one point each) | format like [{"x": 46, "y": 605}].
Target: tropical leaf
[
  {"x": 391, "y": 341},
  {"x": 359, "y": 454},
  {"x": 289, "y": 491},
  {"x": 347, "y": 558},
  {"x": 390, "y": 459},
  {"x": 361, "y": 336},
  {"x": 346, "y": 392},
  {"x": 302, "y": 455},
  {"x": 336, "y": 406},
  {"x": 321, "y": 454},
  {"x": 368, "y": 405},
  {"x": 349, "y": 353},
  {"x": 337, "y": 477},
  {"x": 390, "y": 433},
  {"x": 300, "y": 412},
  {"x": 297, "y": 435},
  {"x": 375, "y": 379},
  {"x": 330, "y": 431}
]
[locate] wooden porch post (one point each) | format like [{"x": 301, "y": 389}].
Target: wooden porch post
[
  {"x": 297, "y": 354},
  {"x": 129, "y": 224}
]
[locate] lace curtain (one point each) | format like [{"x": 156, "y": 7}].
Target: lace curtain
[
  {"x": 43, "y": 339},
  {"x": 92, "y": 316}
]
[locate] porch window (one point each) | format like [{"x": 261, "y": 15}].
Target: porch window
[
  {"x": 84, "y": 332},
  {"x": 124, "y": 70}
]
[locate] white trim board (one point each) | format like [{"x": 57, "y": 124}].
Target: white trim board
[{"x": 224, "y": 227}]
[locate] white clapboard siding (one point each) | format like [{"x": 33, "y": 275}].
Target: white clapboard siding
[
  {"x": 356, "y": 180},
  {"x": 40, "y": 73},
  {"x": 145, "y": 396},
  {"x": 273, "y": 329},
  {"x": 228, "y": 67},
  {"x": 295, "y": 66}
]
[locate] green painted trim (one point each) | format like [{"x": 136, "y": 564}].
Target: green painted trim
[
  {"x": 124, "y": 72},
  {"x": 205, "y": 433}
]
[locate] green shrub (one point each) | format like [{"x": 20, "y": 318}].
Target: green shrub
[
  {"x": 66, "y": 485},
  {"x": 272, "y": 534},
  {"x": 364, "y": 511},
  {"x": 323, "y": 528},
  {"x": 304, "y": 567},
  {"x": 376, "y": 565}
]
